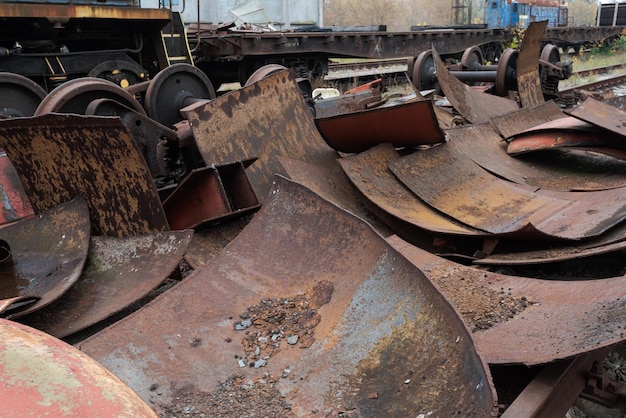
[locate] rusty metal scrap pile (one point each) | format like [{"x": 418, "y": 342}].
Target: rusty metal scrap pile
[{"x": 346, "y": 267}]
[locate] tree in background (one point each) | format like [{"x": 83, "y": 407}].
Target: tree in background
[{"x": 400, "y": 15}]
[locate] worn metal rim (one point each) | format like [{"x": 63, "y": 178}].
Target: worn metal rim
[{"x": 20, "y": 95}]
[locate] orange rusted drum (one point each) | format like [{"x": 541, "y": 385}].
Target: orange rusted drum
[{"x": 43, "y": 376}]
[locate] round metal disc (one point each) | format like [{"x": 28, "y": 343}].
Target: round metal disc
[
  {"x": 551, "y": 54},
  {"x": 74, "y": 96},
  {"x": 174, "y": 88},
  {"x": 472, "y": 58},
  {"x": 505, "y": 76},
  {"x": 424, "y": 77},
  {"x": 121, "y": 72},
  {"x": 19, "y": 96},
  {"x": 43, "y": 376},
  {"x": 263, "y": 72}
]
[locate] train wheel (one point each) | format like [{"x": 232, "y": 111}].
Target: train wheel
[
  {"x": 551, "y": 54},
  {"x": 19, "y": 96},
  {"x": 74, "y": 96},
  {"x": 263, "y": 72},
  {"x": 506, "y": 74},
  {"x": 424, "y": 77},
  {"x": 174, "y": 88},
  {"x": 123, "y": 73},
  {"x": 472, "y": 59}
]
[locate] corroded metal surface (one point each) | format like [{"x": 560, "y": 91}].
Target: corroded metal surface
[
  {"x": 48, "y": 253},
  {"x": 564, "y": 139},
  {"x": 59, "y": 157},
  {"x": 266, "y": 119},
  {"x": 517, "y": 121},
  {"x": 554, "y": 172},
  {"x": 461, "y": 189},
  {"x": 369, "y": 173},
  {"x": 473, "y": 105},
  {"x": 528, "y": 80},
  {"x": 43, "y": 376},
  {"x": 382, "y": 320},
  {"x": 119, "y": 272},
  {"x": 358, "y": 131},
  {"x": 332, "y": 184},
  {"x": 562, "y": 319},
  {"x": 211, "y": 195},
  {"x": 15, "y": 203},
  {"x": 603, "y": 115}
]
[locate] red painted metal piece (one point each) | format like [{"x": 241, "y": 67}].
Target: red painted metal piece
[
  {"x": 120, "y": 272},
  {"x": 394, "y": 123},
  {"x": 15, "y": 203},
  {"x": 550, "y": 140},
  {"x": 59, "y": 157},
  {"x": 48, "y": 253},
  {"x": 562, "y": 319},
  {"x": 211, "y": 194},
  {"x": 43, "y": 376},
  {"x": 382, "y": 320}
]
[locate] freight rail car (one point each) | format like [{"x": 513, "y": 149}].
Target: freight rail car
[
  {"x": 51, "y": 42},
  {"x": 611, "y": 13}
]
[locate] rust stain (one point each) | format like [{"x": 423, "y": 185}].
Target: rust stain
[
  {"x": 59, "y": 157},
  {"x": 528, "y": 80},
  {"x": 119, "y": 272},
  {"x": 48, "y": 253},
  {"x": 376, "y": 295},
  {"x": 518, "y": 121}
]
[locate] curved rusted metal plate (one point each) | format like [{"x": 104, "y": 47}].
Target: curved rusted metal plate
[
  {"x": 266, "y": 119},
  {"x": 562, "y": 172},
  {"x": 48, "y": 253},
  {"x": 528, "y": 80},
  {"x": 332, "y": 184},
  {"x": 43, "y": 376},
  {"x": 603, "y": 115},
  {"x": 119, "y": 272},
  {"x": 358, "y": 131},
  {"x": 59, "y": 157},
  {"x": 15, "y": 203},
  {"x": 517, "y": 121},
  {"x": 460, "y": 188},
  {"x": 562, "y": 318},
  {"x": 386, "y": 344},
  {"x": 565, "y": 139},
  {"x": 368, "y": 171},
  {"x": 475, "y": 106}
]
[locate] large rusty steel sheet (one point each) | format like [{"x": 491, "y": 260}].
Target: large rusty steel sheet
[
  {"x": 564, "y": 172},
  {"x": 48, "y": 253},
  {"x": 15, "y": 203},
  {"x": 475, "y": 106},
  {"x": 463, "y": 190},
  {"x": 368, "y": 171},
  {"x": 386, "y": 342},
  {"x": 119, "y": 272},
  {"x": 518, "y": 121},
  {"x": 528, "y": 80},
  {"x": 332, "y": 184},
  {"x": 43, "y": 376},
  {"x": 59, "y": 157},
  {"x": 266, "y": 119},
  {"x": 566, "y": 139},
  {"x": 408, "y": 124},
  {"x": 561, "y": 319},
  {"x": 603, "y": 115}
]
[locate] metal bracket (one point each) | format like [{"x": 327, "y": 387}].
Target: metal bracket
[{"x": 601, "y": 388}]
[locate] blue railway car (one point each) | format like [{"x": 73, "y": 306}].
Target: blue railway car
[{"x": 511, "y": 13}]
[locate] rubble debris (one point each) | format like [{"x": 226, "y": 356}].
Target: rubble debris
[{"x": 273, "y": 320}]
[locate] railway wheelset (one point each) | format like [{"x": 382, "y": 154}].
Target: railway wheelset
[{"x": 473, "y": 70}]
